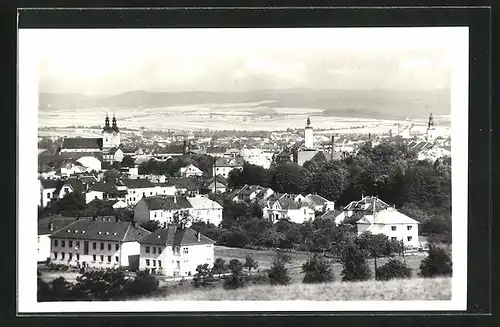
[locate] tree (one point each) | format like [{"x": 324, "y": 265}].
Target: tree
[
  {"x": 437, "y": 263},
  {"x": 278, "y": 274},
  {"x": 70, "y": 205},
  {"x": 143, "y": 283},
  {"x": 394, "y": 268},
  {"x": 151, "y": 225},
  {"x": 235, "y": 279},
  {"x": 317, "y": 269},
  {"x": 290, "y": 178},
  {"x": 128, "y": 161},
  {"x": 250, "y": 263},
  {"x": 181, "y": 218},
  {"x": 111, "y": 175},
  {"x": 203, "y": 276},
  {"x": 101, "y": 284},
  {"x": 354, "y": 262},
  {"x": 219, "y": 267},
  {"x": 376, "y": 245}
]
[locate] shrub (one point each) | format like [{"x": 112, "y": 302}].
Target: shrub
[
  {"x": 101, "y": 284},
  {"x": 437, "y": 263},
  {"x": 278, "y": 274},
  {"x": 250, "y": 263},
  {"x": 354, "y": 263},
  {"x": 394, "y": 268},
  {"x": 219, "y": 267},
  {"x": 317, "y": 269},
  {"x": 203, "y": 277},
  {"x": 235, "y": 280},
  {"x": 143, "y": 283},
  {"x": 43, "y": 290}
]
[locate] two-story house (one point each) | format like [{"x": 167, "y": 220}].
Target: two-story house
[
  {"x": 320, "y": 204},
  {"x": 48, "y": 192},
  {"x": 96, "y": 243},
  {"x": 161, "y": 208},
  {"x": 284, "y": 206},
  {"x": 367, "y": 205},
  {"x": 392, "y": 223},
  {"x": 137, "y": 189},
  {"x": 46, "y": 227},
  {"x": 206, "y": 210},
  {"x": 175, "y": 251},
  {"x": 190, "y": 170},
  {"x": 223, "y": 166},
  {"x": 104, "y": 191},
  {"x": 251, "y": 193}
]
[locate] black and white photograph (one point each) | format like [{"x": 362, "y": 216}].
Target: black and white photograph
[{"x": 243, "y": 169}]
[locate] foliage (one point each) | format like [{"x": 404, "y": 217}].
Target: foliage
[
  {"x": 235, "y": 279},
  {"x": 437, "y": 263},
  {"x": 278, "y": 274},
  {"x": 111, "y": 175},
  {"x": 219, "y": 267},
  {"x": 250, "y": 263},
  {"x": 355, "y": 266},
  {"x": 290, "y": 178},
  {"x": 203, "y": 277},
  {"x": 250, "y": 174},
  {"x": 394, "y": 268},
  {"x": 376, "y": 245},
  {"x": 128, "y": 161},
  {"x": 70, "y": 205},
  {"x": 317, "y": 269},
  {"x": 151, "y": 225},
  {"x": 143, "y": 283},
  {"x": 101, "y": 284}
]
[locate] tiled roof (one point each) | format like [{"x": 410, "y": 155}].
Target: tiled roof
[
  {"x": 58, "y": 222},
  {"x": 216, "y": 150},
  {"x": 189, "y": 183},
  {"x": 50, "y": 183},
  {"x": 137, "y": 183},
  {"x": 390, "y": 216},
  {"x": 112, "y": 150},
  {"x": 203, "y": 203},
  {"x": 229, "y": 162},
  {"x": 82, "y": 143},
  {"x": 366, "y": 204},
  {"x": 104, "y": 187},
  {"x": 287, "y": 204},
  {"x": 167, "y": 203},
  {"x": 171, "y": 148},
  {"x": 316, "y": 199},
  {"x": 76, "y": 185},
  {"x": 175, "y": 236},
  {"x": 331, "y": 214},
  {"x": 88, "y": 229},
  {"x": 88, "y": 179}
]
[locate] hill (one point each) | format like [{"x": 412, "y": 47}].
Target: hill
[{"x": 418, "y": 289}]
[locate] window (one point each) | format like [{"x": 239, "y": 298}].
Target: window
[
  {"x": 109, "y": 246},
  {"x": 56, "y": 243},
  {"x": 185, "y": 251},
  {"x": 150, "y": 193},
  {"x": 159, "y": 263},
  {"x": 409, "y": 238},
  {"x": 77, "y": 244},
  {"x": 48, "y": 195},
  {"x": 147, "y": 249},
  {"x": 94, "y": 258},
  {"x": 102, "y": 246},
  {"x": 70, "y": 244},
  {"x": 109, "y": 258},
  {"x": 155, "y": 214},
  {"x": 78, "y": 256},
  {"x": 94, "y": 245},
  {"x": 63, "y": 244},
  {"x": 117, "y": 259},
  {"x": 102, "y": 258},
  {"x": 117, "y": 247},
  {"x": 394, "y": 238},
  {"x": 154, "y": 250},
  {"x": 393, "y": 228},
  {"x": 154, "y": 263},
  {"x": 55, "y": 255},
  {"x": 408, "y": 227},
  {"x": 159, "y": 250},
  {"x": 70, "y": 256},
  {"x": 147, "y": 262},
  {"x": 62, "y": 255}
]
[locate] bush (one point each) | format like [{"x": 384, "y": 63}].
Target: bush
[
  {"x": 394, "y": 268},
  {"x": 278, "y": 274},
  {"x": 437, "y": 263},
  {"x": 101, "y": 284},
  {"x": 317, "y": 269},
  {"x": 143, "y": 283},
  {"x": 235, "y": 280},
  {"x": 250, "y": 263},
  {"x": 354, "y": 263},
  {"x": 203, "y": 277}
]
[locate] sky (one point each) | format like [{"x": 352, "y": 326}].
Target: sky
[{"x": 112, "y": 61}]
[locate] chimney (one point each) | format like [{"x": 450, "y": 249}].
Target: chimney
[
  {"x": 198, "y": 235},
  {"x": 51, "y": 226}
]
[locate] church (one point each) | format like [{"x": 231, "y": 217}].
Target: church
[{"x": 110, "y": 139}]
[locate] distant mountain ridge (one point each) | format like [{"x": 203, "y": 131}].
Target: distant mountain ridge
[{"x": 360, "y": 103}]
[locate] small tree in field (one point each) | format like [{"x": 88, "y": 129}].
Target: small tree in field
[
  {"x": 235, "y": 280},
  {"x": 250, "y": 263},
  {"x": 278, "y": 275},
  {"x": 394, "y": 268},
  {"x": 317, "y": 269},
  {"x": 219, "y": 267},
  {"x": 203, "y": 276},
  {"x": 437, "y": 263},
  {"x": 354, "y": 262}
]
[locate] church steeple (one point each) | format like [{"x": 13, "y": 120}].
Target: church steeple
[
  {"x": 107, "y": 128},
  {"x": 431, "y": 121},
  {"x": 308, "y": 122},
  {"x": 115, "y": 127}
]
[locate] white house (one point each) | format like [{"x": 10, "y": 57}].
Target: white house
[
  {"x": 205, "y": 210},
  {"x": 47, "y": 226},
  {"x": 91, "y": 163},
  {"x": 174, "y": 251},
  {"x": 48, "y": 191},
  {"x": 283, "y": 206},
  {"x": 257, "y": 157},
  {"x": 392, "y": 223},
  {"x": 190, "y": 170},
  {"x": 216, "y": 186},
  {"x": 113, "y": 155},
  {"x": 103, "y": 191},
  {"x": 320, "y": 204},
  {"x": 71, "y": 167},
  {"x": 251, "y": 193},
  {"x": 367, "y": 205},
  {"x": 71, "y": 185},
  {"x": 160, "y": 208},
  {"x": 137, "y": 189},
  {"x": 98, "y": 244},
  {"x": 223, "y": 166}
]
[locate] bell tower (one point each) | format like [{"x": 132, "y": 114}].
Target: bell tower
[
  {"x": 110, "y": 134},
  {"x": 308, "y": 135},
  {"x": 430, "y": 134}
]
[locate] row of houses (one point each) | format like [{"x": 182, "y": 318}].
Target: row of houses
[{"x": 103, "y": 242}]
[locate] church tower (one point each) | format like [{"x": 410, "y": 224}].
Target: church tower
[
  {"x": 110, "y": 134},
  {"x": 430, "y": 135},
  {"x": 308, "y": 135}
]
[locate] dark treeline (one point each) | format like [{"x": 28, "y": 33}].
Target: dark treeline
[{"x": 171, "y": 167}]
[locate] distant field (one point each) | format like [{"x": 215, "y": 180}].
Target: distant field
[{"x": 415, "y": 289}]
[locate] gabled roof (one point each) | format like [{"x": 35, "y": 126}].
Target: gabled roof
[
  {"x": 171, "y": 149},
  {"x": 317, "y": 199},
  {"x": 189, "y": 183},
  {"x": 229, "y": 162},
  {"x": 216, "y": 150},
  {"x": 88, "y": 179},
  {"x": 137, "y": 183},
  {"x": 366, "y": 204},
  {"x": 58, "y": 222},
  {"x": 167, "y": 202},
  {"x": 82, "y": 143},
  {"x": 113, "y": 150},
  {"x": 88, "y": 229},
  {"x": 50, "y": 183},
  {"x": 104, "y": 187},
  {"x": 76, "y": 185},
  {"x": 331, "y": 214},
  {"x": 388, "y": 216},
  {"x": 287, "y": 204},
  {"x": 175, "y": 236},
  {"x": 203, "y": 203}
]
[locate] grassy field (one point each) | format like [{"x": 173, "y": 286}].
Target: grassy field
[
  {"x": 265, "y": 258},
  {"x": 393, "y": 290}
]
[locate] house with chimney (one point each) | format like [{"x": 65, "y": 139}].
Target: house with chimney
[
  {"x": 48, "y": 192},
  {"x": 190, "y": 171},
  {"x": 161, "y": 208},
  {"x": 98, "y": 242},
  {"x": 72, "y": 184},
  {"x": 112, "y": 155},
  {"x": 46, "y": 227},
  {"x": 206, "y": 210},
  {"x": 357, "y": 209},
  {"x": 286, "y": 206},
  {"x": 104, "y": 191},
  {"x": 223, "y": 166},
  {"x": 175, "y": 251},
  {"x": 137, "y": 189},
  {"x": 251, "y": 193},
  {"x": 319, "y": 203}
]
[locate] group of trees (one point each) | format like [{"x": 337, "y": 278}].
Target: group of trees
[{"x": 172, "y": 166}]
